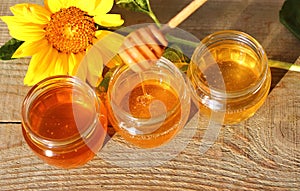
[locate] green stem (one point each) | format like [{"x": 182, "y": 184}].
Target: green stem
[
  {"x": 284, "y": 65},
  {"x": 174, "y": 39},
  {"x": 154, "y": 18},
  {"x": 272, "y": 63}
]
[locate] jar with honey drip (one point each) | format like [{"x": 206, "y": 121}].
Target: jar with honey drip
[
  {"x": 149, "y": 108},
  {"x": 63, "y": 121},
  {"x": 229, "y": 76}
]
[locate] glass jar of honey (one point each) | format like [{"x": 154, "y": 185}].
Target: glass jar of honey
[
  {"x": 63, "y": 121},
  {"x": 229, "y": 76},
  {"x": 149, "y": 108}
]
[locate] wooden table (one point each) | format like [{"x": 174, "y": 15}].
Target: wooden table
[{"x": 262, "y": 153}]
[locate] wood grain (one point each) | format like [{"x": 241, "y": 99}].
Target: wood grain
[
  {"x": 214, "y": 15},
  {"x": 257, "y": 18},
  {"x": 185, "y": 13},
  {"x": 12, "y": 90},
  {"x": 262, "y": 153}
]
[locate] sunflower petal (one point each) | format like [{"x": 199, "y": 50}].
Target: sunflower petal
[
  {"x": 62, "y": 63},
  {"x": 81, "y": 71},
  {"x": 112, "y": 40},
  {"x": 74, "y": 62},
  {"x": 19, "y": 21},
  {"x": 71, "y": 62},
  {"x": 38, "y": 67},
  {"x": 53, "y": 65},
  {"x": 69, "y": 3},
  {"x": 88, "y": 7},
  {"x": 26, "y": 33},
  {"x": 45, "y": 64},
  {"x": 31, "y": 13},
  {"x": 19, "y": 9},
  {"x": 94, "y": 62},
  {"x": 103, "y": 7},
  {"x": 58, "y": 65},
  {"x": 109, "y": 20},
  {"x": 14, "y": 21},
  {"x": 30, "y": 48},
  {"x": 109, "y": 44},
  {"x": 54, "y": 5},
  {"x": 22, "y": 30}
]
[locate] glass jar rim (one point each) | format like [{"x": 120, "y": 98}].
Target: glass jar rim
[
  {"x": 162, "y": 62},
  {"x": 246, "y": 40},
  {"x": 32, "y": 94}
]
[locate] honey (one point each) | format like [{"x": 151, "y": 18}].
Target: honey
[
  {"x": 235, "y": 76},
  {"x": 148, "y": 111},
  {"x": 229, "y": 75},
  {"x": 62, "y": 124},
  {"x": 160, "y": 100},
  {"x": 138, "y": 101}
]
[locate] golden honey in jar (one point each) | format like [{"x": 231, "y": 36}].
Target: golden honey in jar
[
  {"x": 229, "y": 75},
  {"x": 148, "y": 109},
  {"x": 63, "y": 121}
]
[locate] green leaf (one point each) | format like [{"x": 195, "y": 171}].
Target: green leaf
[
  {"x": 9, "y": 48},
  {"x": 112, "y": 29},
  {"x": 289, "y": 16},
  {"x": 103, "y": 86},
  {"x": 135, "y": 5},
  {"x": 175, "y": 55},
  {"x": 142, "y": 6},
  {"x": 284, "y": 65}
]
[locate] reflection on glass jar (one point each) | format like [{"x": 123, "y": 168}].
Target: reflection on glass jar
[
  {"x": 149, "y": 108},
  {"x": 229, "y": 74},
  {"x": 63, "y": 121}
]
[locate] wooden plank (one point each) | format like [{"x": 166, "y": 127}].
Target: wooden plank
[
  {"x": 12, "y": 72},
  {"x": 259, "y": 18},
  {"x": 12, "y": 90},
  {"x": 262, "y": 153},
  {"x": 215, "y": 15}
]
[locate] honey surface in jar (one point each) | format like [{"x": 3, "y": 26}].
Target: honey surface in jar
[
  {"x": 235, "y": 73},
  {"x": 149, "y": 100},
  {"x": 141, "y": 97},
  {"x": 235, "y": 76},
  {"x": 56, "y": 118}
]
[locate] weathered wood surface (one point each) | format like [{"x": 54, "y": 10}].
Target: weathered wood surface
[{"x": 262, "y": 153}]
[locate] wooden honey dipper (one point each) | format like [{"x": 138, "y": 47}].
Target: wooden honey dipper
[{"x": 142, "y": 47}]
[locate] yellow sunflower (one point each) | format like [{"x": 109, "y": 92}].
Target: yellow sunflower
[{"x": 58, "y": 34}]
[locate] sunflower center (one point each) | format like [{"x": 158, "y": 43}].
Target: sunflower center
[{"x": 70, "y": 30}]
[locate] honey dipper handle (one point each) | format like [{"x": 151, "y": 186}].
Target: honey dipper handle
[{"x": 184, "y": 13}]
